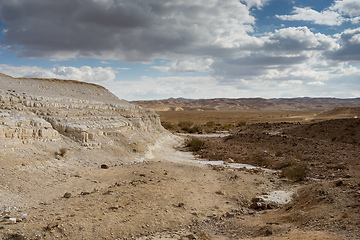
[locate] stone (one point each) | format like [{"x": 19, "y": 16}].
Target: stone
[
  {"x": 339, "y": 183},
  {"x": 51, "y": 226},
  {"x": 180, "y": 204},
  {"x": 67, "y": 195},
  {"x": 104, "y": 166}
]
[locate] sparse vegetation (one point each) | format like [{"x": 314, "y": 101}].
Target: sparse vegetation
[
  {"x": 169, "y": 126},
  {"x": 210, "y": 124},
  {"x": 185, "y": 125},
  {"x": 296, "y": 172},
  {"x": 259, "y": 159},
  {"x": 195, "y": 129},
  {"x": 279, "y": 154},
  {"x": 62, "y": 152},
  {"x": 241, "y": 123},
  {"x": 194, "y": 144},
  {"x": 204, "y": 236}
]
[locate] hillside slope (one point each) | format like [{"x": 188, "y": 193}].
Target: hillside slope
[
  {"x": 49, "y": 122},
  {"x": 248, "y": 104}
]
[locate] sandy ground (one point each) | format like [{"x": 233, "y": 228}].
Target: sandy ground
[{"x": 164, "y": 194}]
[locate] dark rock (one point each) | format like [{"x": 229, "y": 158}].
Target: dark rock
[
  {"x": 67, "y": 195},
  {"x": 339, "y": 183},
  {"x": 181, "y": 204},
  {"x": 51, "y": 226},
  {"x": 104, "y": 166}
]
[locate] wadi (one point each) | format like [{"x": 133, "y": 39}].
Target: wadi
[{"x": 76, "y": 162}]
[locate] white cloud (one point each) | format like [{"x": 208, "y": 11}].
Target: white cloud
[
  {"x": 255, "y": 3},
  {"x": 349, "y": 46},
  {"x": 298, "y": 39},
  {"x": 317, "y": 83},
  {"x": 325, "y": 17},
  {"x": 85, "y": 73},
  {"x": 288, "y": 54},
  {"x": 355, "y": 39},
  {"x": 187, "y": 65},
  {"x": 338, "y": 13},
  {"x": 347, "y": 7}
]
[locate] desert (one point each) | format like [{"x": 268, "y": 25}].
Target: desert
[{"x": 79, "y": 163}]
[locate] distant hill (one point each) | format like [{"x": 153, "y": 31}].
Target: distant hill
[{"x": 248, "y": 104}]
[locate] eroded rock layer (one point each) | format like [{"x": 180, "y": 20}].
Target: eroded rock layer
[{"x": 49, "y": 109}]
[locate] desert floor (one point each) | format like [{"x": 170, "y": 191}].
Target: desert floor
[{"x": 171, "y": 193}]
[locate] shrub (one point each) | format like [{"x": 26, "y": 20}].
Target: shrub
[
  {"x": 295, "y": 172},
  {"x": 259, "y": 159},
  {"x": 195, "y": 129},
  {"x": 168, "y": 126},
  {"x": 242, "y": 123},
  {"x": 284, "y": 164},
  {"x": 194, "y": 144},
  {"x": 185, "y": 125},
  {"x": 227, "y": 126},
  {"x": 278, "y": 154},
  {"x": 204, "y": 236},
  {"x": 63, "y": 151},
  {"x": 298, "y": 155},
  {"x": 210, "y": 124}
]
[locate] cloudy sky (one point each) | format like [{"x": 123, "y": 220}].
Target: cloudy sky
[{"x": 157, "y": 49}]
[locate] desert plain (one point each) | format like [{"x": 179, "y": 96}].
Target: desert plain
[{"x": 81, "y": 164}]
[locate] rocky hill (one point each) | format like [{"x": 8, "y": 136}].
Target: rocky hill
[
  {"x": 42, "y": 120},
  {"x": 48, "y": 109},
  {"x": 248, "y": 104}
]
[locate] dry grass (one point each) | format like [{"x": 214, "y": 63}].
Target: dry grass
[
  {"x": 194, "y": 144},
  {"x": 296, "y": 172}
]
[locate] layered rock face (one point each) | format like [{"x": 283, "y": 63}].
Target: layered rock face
[{"x": 51, "y": 109}]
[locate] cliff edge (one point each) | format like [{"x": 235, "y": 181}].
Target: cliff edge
[
  {"x": 51, "y": 124},
  {"x": 48, "y": 109}
]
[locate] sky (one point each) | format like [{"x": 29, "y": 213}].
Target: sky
[{"x": 158, "y": 49}]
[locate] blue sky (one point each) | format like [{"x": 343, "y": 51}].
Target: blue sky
[{"x": 152, "y": 49}]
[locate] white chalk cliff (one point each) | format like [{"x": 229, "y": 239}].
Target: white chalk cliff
[{"x": 50, "y": 109}]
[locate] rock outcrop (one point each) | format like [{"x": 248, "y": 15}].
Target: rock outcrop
[{"x": 51, "y": 109}]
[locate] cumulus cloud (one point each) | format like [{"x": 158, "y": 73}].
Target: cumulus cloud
[
  {"x": 347, "y": 7},
  {"x": 297, "y": 39},
  {"x": 283, "y": 53},
  {"x": 84, "y": 73},
  {"x": 338, "y": 13},
  {"x": 187, "y": 65},
  {"x": 128, "y": 30},
  {"x": 255, "y": 3},
  {"x": 350, "y": 46},
  {"x": 326, "y": 17}
]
